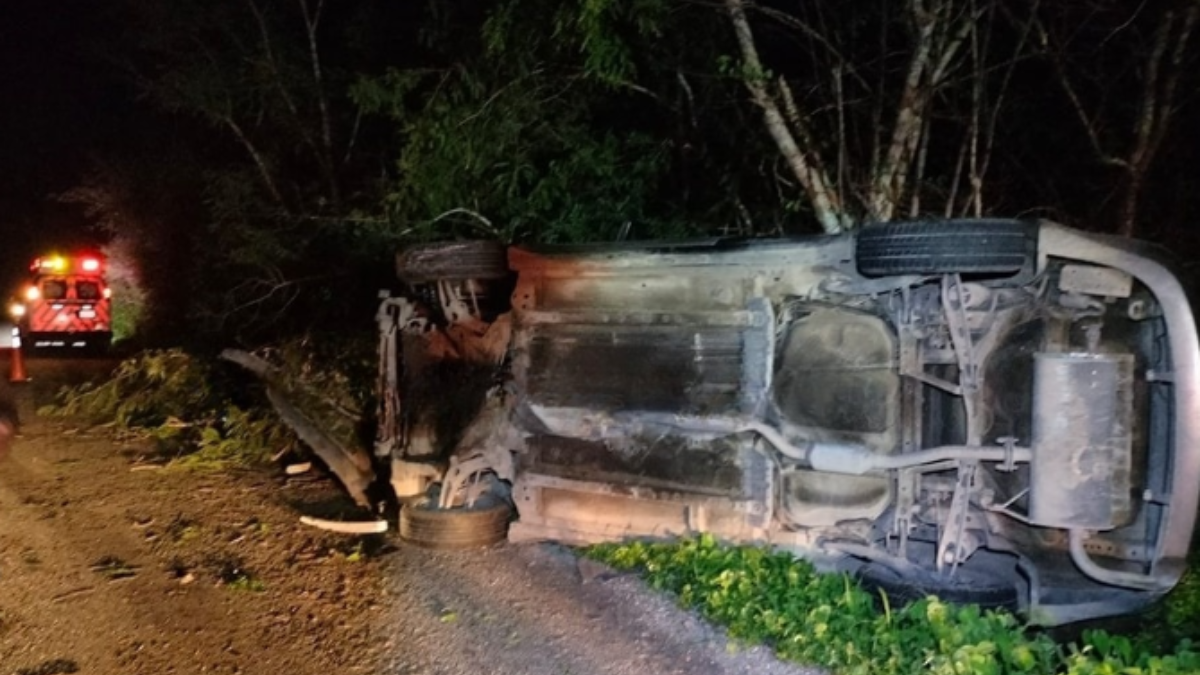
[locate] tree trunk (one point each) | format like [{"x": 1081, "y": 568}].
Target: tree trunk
[{"x": 802, "y": 161}]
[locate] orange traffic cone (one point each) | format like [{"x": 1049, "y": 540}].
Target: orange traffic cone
[{"x": 16, "y": 362}]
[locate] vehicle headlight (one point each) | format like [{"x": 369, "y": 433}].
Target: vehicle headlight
[{"x": 17, "y": 310}]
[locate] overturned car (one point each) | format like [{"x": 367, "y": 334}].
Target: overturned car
[{"x": 1003, "y": 412}]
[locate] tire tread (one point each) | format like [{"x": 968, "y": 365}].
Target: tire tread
[
  {"x": 453, "y": 528},
  {"x": 942, "y": 247},
  {"x": 481, "y": 259}
]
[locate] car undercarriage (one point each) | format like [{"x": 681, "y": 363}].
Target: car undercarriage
[{"x": 1002, "y": 412}]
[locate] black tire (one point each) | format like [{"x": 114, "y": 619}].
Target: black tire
[
  {"x": 452, "y": 260},
  {"x": 992, "y": 247},
  {"x": 423, "y": 524},
  {"x": 977, "y": 589}
]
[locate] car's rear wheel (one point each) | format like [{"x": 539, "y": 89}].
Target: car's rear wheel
[{"x": 989, "y": 247}]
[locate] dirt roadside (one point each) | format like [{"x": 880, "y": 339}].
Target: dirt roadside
[{"x": 112, "y": 563}]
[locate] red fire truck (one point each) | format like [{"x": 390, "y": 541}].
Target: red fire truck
[{"x": 65, "y": 303}]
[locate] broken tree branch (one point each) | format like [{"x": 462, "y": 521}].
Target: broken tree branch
[{"x": 352, "y": 467}]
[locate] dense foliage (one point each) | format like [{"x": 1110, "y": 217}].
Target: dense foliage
[
  {"x": 300, "y": 143},
  {"x": 766, "y": 596},
  {"x": 563, "y": 122}
]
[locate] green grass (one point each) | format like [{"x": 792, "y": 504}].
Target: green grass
[
  {"x": 765, "y": 596},
  {"x": 1177, "y": 618}
]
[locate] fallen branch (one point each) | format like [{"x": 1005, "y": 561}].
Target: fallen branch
[
  {"x": 352, "y": 467},
  {"x": 344, "y": 527},
  {"x": 257, "y": 365},
  {"x": 297, "y": 469}
]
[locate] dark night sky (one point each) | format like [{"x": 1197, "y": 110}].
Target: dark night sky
[{"x": 59, "y": 104}]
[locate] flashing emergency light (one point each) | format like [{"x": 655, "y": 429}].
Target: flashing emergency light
[
  {"x": 52, "y": 264},
  {"x": 58, "y": 264},
  {"x": 32, "y": 293}
]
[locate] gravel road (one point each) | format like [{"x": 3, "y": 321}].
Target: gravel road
[
  {"x": 537, "y": 609},
  {"x": 113, "y": 563}
]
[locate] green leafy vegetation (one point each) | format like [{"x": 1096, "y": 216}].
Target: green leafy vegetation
[
  {"x": 1177, "y": 617},
  {"x": 766, "y": 596},
  {"x": 184, "y": 404},
  {"x": 545, "y": 135},
  {"x": 202, "y": 416},
  {"x": 127, "y": 309},
  {"x": 239, "y": 435},
  {"x": 1182, "y": 608},
  {"x": 153, "y": 389},
  {"x": 182, "y": 530}
]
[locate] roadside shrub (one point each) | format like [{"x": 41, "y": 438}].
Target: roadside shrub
[
  {"x": 184, "y": 404},
  {"x": 331, "y": 379},
  {"x": 149, "y": 390},
  {"x": 128, "y": 297},
  {"x": 767, "y": 596},
  {"x": 237, "y": 438},
  {"x": 204, "y": 416}
]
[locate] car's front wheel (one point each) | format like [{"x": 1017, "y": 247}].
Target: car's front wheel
[{"x": 423, "y": 524}]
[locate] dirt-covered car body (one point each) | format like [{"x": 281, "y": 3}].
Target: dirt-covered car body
[{"x": 997, "y": 411}]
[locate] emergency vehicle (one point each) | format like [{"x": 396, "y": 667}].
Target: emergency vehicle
[{"x": 66, "y": 302}]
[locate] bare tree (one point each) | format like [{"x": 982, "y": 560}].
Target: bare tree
[
  {"x": 1124, "y": 132},
  {"x": 255, "y": 70},
  {"x": 267, "y": 76},
  {"x": 931, "y": 69}
]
